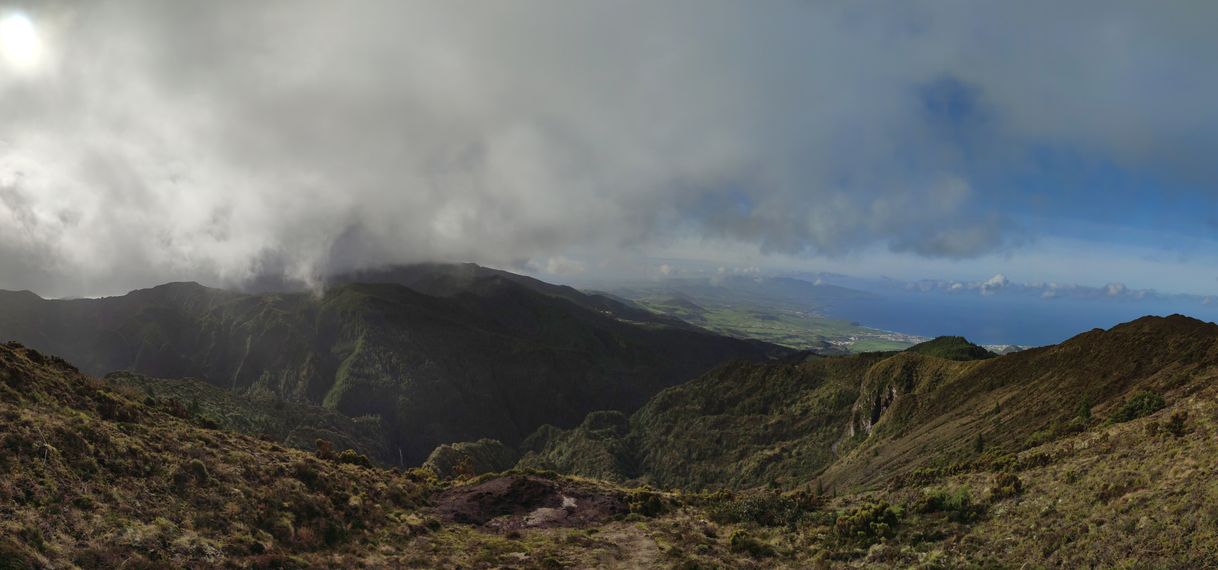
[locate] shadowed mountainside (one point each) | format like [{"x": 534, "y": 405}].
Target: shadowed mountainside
[
  {"x": 495, "y": 355},
  {"x": 294, "y": 424}
]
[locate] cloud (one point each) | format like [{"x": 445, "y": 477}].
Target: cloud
[
  {"x": 562, "y": 266},
  {"x": 1000, "y": 285},
  {"x": 223, "y": 140}
]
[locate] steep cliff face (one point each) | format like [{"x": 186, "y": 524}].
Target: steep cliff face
[
  {"x": 891, "y": 388},
  {"x": 958, "y": 412}
]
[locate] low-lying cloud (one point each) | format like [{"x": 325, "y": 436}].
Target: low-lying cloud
[{"x": 219, "y": 141}]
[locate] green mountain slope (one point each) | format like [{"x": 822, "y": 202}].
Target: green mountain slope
[
  {"x": 495, "y": 356},
  {"x": 862, "y": 421},
  {"x": 293, "y": 424},
  {"x": 951, "y": 348}
]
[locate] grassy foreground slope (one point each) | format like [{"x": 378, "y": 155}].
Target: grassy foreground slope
[{"x": 94, "y": 479}]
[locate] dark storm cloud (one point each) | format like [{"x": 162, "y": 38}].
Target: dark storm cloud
[{"x": 220, "y": 140}]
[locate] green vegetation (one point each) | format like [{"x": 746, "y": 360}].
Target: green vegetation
[
  {"x": 742, "y": 542},
  {"x": 599, "y": 447},
  {"x": 869, "y": 419},
  {"x": 293, "y": 424},
  {"x": 878, "y": 345},
  {"x": 786, "y": 312},
  {"x": 1006, "y": 485},
  {"x": 467, "y": 459},
  {"x": 1139, "y": 405},
  {"x": 786, "y": 328},
  {"x": 868, "y": 522},
  {"x": 765, "y": 508},
  {"x": 956, "y": 503}
]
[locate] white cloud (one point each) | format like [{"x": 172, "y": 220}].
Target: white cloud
[{"x": 218, "y": 140}]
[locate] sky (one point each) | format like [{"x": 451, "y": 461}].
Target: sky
[{"x": 151, "y": 141}]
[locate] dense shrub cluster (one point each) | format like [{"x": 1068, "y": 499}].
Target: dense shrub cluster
[
  {"x": 1056, "y": 430},
  {"x": 957, "y": 504},
  {"x": 1006, "y": 485},
  {"x": 647, "y": 502},
  {"x": 765, "y": 508},
  {"x": 1139, "y": 405},
  {"x": 745, "y": 543},
  {"x": 469, "y": 459},
  {"x": 1176, "y": 426},
  {"x": 869, "y": 522},
  {"x": 354, "y": 457},
  {"x": 996, "y": 463}
]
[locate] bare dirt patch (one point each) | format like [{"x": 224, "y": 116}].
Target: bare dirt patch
[{"x": 525, "y": 501}]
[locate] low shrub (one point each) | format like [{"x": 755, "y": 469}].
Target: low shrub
[
  {"x": 765, "y": 508},
  {"x": 354, "y": 458},
  {"x": 193, "y": 471},
  {"x": 1176, "y": 426},
  {"x": 869, "y": 522},
  {"x": 1137, "y": 406},
  {"x": 1056, "y": 430},
  {"x": 957, "y": 504},
  {"x": 1005, "y": 485},
  {"x": 647, "y": 502},
  {"x": 742, "y": 542},
  {"x": 325, "y": 449}
]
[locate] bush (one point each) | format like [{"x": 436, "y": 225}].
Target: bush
[
  {"x": 743, "y": 543},
  {"x": 325, "y": 449},
  {"x": 868, "y": 522},
  {"x": 1006, "y": 485},
  {"x": 1175, "y": 426},
  {"x": 354, "y": 458},
  {"x": 958, "y": 504},
  {"x": 1137, "y": 406},
  {"x": 470, "y": 459},
  {"x": 206, "y": 422},
  {"x": 1084, "y": 409},
  {"x": 194, "y": 471},
  {"x": 648, "y": 503},
  {"x": 112, "y": 409},
  {"x": 765, "y": 509},
  {"x": 1054, "y": 431}
]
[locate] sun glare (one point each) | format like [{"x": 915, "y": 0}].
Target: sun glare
[{"x": 19, "y": 43}]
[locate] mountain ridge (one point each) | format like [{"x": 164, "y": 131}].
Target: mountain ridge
[
  {"x": 496, "y": 359},
  {"x": 858, "y": 421}
]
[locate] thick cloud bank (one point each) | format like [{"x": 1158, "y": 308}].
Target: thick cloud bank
[{"x": 221, "y": 140}]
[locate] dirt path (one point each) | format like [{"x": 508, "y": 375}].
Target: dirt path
[{"x": 635, "y": 548}]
